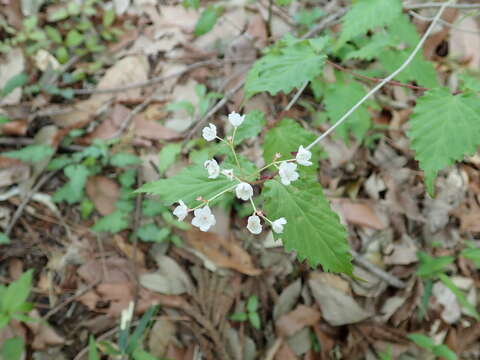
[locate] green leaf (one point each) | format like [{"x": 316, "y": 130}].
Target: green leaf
[
  {"x": 4, "y": 119},
  {"x": 14, "y": 82},
  {"x": 284, "y": 69},
  {"x": 31, "y": 153},
  {"x": 444, "y": 351},
  {"x": 74, "y": 38},
  {"x": 469, "y": 82},
  {"x": 339, "y": 98},
  {"x": 471, "y": 254},
  {"x": 252, "y": 304},
  {"x": 313, "y": 230},
  {"x": 4, "y": 239},
  {"x": 443, "y": 129},
  {"x": 207, "y": 20},
  {"x": 141, "y": 327},
  {"x": 168, "y": 155},
  {"x": 459, "y": 295},
  {"x": 432, "y": 266},
  {"x": 422, "y": 341},
  {"x": 113, "y": 223},
  {"x": 139, "y": 354},
  {"x": 151, "y": 232},
  {"x": 191, "y": 4},
  {"x": 124, "y": 159},
  {"x": 419, "y": 70},
  {"x": 374, "y": 46},
  {"x": 252, "y": 126},
  {"x": 73, "y": 191},
  {"x": 367, "y": 15},
  {"x": 60, "y": 14},
  {"x": 17, "y": 293},
  {"x": 53, "y": 34},
  {"x": 62, "y": 54},
  {"x": 152, "y": 207},
  {"x": 254, "y": 319},
  {"x": 285, "y": 138},
  {"x": 239, "y": 316},
  {"x": 108, "y": 18},
  {"x": 92, "y": 349},
  {"x": 189, "y": 184},
  {"x": 12, "y": 349}
]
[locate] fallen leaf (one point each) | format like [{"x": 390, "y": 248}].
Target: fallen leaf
[
  {"x": 169, "y": 279},
  {"x": 161, "y": 335},
  {"x": 109, "y": 126},
  {"x": 43, "y": 334},
  {"x": 362, "y": 214},
  {"x": 464, "y": 43},
  {"x": 403, "y": 252},
  {"x": 14, "y": 128},
  {"x": 103, "y": 192},
  {"x": 451, "y": 309},
  {"x": 303, "y": 316},
  {"x": 12, "y": 171},
  {"x": 337, "y": 306},
  {"x": 287, "y": 299},
  {"x": 222, "y": 252},
  {"x": 152, "y": 130},
  {"x": 12, "y": 63}
]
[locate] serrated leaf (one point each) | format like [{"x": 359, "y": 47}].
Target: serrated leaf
[
  {"x": 189, "y": 184},
  {"x": 313, "y": 230},
  {"x": 285, "y": 138},
  {"x": 339, "y": 98},
  {"x": 367, "y": 15},
  {"x": 31, "y": 153},
  {"x": 419, "y": 70},
  {"x": 285, "y": 69},
  {"x": 252, "y": 126},
  {"x": 113, "y": 223},
  {"x": 73, "y": 191},
  {"x": 443, "y": 129},
  {"x": 372, "y": 48}
]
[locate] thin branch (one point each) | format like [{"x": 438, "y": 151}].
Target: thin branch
[
  {"x": 297, "y": 95},
  {"x": 214, "y": 110},
  {"x": 386, "y": 80},
  {"x": 441, "y": 5},
  {"x": 25, "y": 201},
  {"x": 391, "y": 82},
  {"x": 325, "y": 23},
  {"x": 387, "y": 277},
  {"x": 150, "y": 82},
  {"x": 443, "y": 22}
]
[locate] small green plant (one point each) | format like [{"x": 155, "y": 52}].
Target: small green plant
[
  {"x": 427, "y": 343},
  {"x": 251, "y": 313},
  {"x": 129, "y": 344},
  {"x": 434, "y": 268},
  {"x": 14, "y": 305}
]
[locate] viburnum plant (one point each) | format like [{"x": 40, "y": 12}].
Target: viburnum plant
[{"x": 285, "y": 194}]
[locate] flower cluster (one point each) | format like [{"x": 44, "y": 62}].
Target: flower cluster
[{"x": 287, "y": 170}]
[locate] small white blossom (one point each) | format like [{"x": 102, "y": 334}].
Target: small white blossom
[
  {"x": 236, "y": 119},
  {"x": 288, "y": 172},
  {"x": 254, "y": 225},
  {"x": 303, "y": 156},
  {"x": 203, "y": 219},
  {"x": 209, "y": 132},
  {"x": 181, "y": 210},
  {"x": 212, "y": 168},
  {"x": 228, "y": 173},
  {"x": 277, "y": 225},
  {"x": 244, "y": 191},
  {"x": 126, "y": 316}
]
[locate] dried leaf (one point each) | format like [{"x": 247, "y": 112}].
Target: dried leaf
[
  {"x": 103, "y": 192},
  {"x": 303, "y": 316}
]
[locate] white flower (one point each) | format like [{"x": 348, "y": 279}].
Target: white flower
[
  {"x": 303, "y": 156},
  {"x": 228, "y": 173},
  {"x": 203, "y": 219},
  {"x": 277, "y": 225},
  {"x": 244, "y": 191},
  {"x": 287, "y": 172},
  {"x": 126, "y": 316},
  {"x": 236, "y": 119},
  {"x": 212, "y": 168},
  {"x": 209, "y": 132},
  {"x": 254, "y": 225},
  {"x": 181, "y": 210}
]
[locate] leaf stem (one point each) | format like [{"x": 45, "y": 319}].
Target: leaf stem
[
  {"x": 212, "y": 198},
  {"x": 387, "y": 79},
  {"x": 274, "y": 163}
]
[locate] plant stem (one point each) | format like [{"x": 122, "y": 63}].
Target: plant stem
[
  {"x": 274, "y": 163},
  {"x": 213, "y": 198},
  {"x": 386, "y": 80}
]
